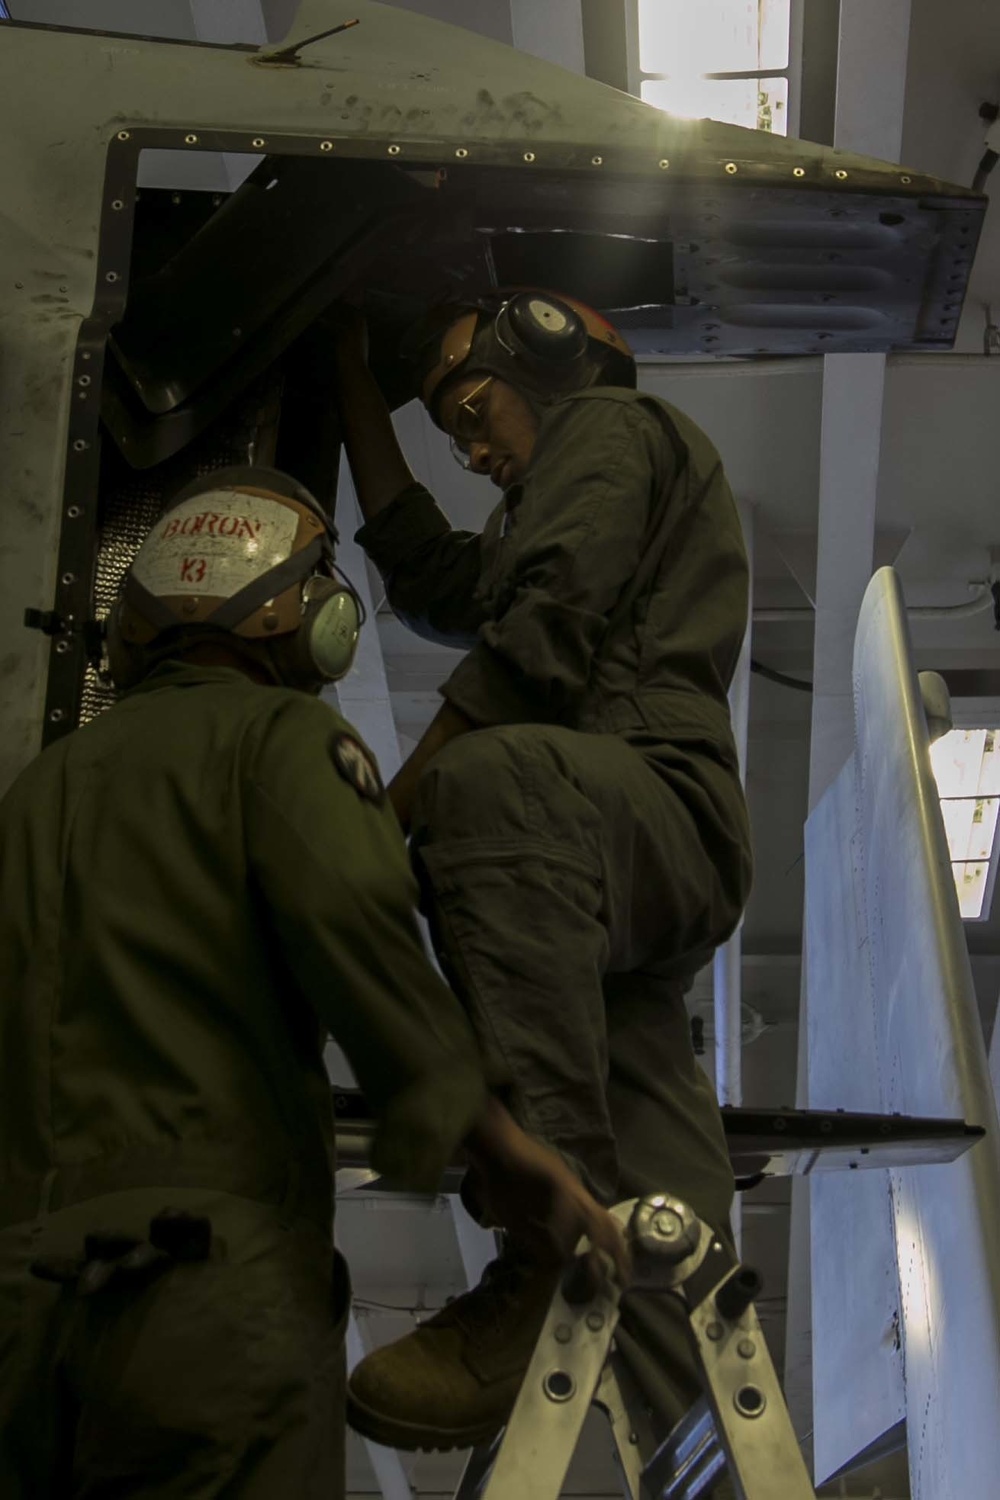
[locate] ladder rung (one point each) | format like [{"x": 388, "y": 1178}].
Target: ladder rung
[{"x": 689, "y": 1460}]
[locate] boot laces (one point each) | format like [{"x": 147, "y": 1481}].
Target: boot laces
[{"x": 489, "y": 1303}]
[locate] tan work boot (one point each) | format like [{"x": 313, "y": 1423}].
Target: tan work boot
[{"x": 453, "y": 1381}]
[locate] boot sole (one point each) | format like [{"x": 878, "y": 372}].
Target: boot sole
[{"x": 412, "y": 1438}]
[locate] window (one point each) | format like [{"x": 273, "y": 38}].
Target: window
[
  {"x": 966, "y": 766},
  {"x": 725, "y": 60}
]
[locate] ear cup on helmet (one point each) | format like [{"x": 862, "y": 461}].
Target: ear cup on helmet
[
  {"x": 332, "y": 634},
  {"x": 322, "y": 649},
  {"x": 542, "y": 328},
  {"x": 327, "y": 639}
]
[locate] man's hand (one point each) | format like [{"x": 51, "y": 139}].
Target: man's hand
[{"x": 528, "y": 1189}]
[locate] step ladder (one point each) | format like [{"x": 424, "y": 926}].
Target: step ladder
[{"x": 740, "y": 1428}]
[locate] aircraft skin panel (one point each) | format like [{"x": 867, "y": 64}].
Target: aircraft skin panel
[{"x": 753, "y": 224}]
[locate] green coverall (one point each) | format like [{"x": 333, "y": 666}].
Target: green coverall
[
  {"x": 191, "y": 897},
  {"x": 585, "y": 849}
]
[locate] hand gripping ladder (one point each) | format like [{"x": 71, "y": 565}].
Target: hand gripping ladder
[{"x": 740, "y": 1427}]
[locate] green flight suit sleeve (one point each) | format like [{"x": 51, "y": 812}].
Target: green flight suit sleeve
[
  {"x": 431, "y": 571},
  {"x": 579, "y": 526},
  {"x": 331, "y": 869}
]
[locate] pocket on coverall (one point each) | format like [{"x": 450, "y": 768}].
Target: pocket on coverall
[{"x": 222, "y": 1377}]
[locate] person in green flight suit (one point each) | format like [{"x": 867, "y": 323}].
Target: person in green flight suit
[
  {"x": 195, "y": 889},
  {"x": 575, "y": 811}
]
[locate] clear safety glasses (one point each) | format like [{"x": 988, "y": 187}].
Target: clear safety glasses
[{"x": 469, "y": 421}]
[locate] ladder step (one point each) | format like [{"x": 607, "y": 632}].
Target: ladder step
[{"x": 689, "y": 1461}]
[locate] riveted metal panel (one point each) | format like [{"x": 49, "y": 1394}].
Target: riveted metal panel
[{"x": 427, "y": 99}]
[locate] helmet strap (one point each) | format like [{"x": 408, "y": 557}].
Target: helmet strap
[{"x": 269, "y": 585}]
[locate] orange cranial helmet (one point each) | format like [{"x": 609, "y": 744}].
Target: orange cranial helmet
[
  {"x": 544, "y": 344},
  {"x": 247, "y": 553}
]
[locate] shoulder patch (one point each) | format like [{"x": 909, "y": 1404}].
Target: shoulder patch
[{"x": 358, "y": 768}]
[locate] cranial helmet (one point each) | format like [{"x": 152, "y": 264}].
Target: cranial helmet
[
  {"x": 543, "y": 344},
  {"x": 245, "y": 555}
]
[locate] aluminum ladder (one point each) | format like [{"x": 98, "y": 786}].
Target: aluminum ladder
[{"x": 739, "y": 1429}]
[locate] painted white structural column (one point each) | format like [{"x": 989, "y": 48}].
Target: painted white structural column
[
  {"x": 727, "y": 966},
  {"x": 871, "y": 90},
  {"x": 228, "y": 21},
  {"x": 850, "y": 450},
  {"x": 363, "y": 695},
  {"x": 553, "y": 31},
  {"x": 364, "y": 700}
]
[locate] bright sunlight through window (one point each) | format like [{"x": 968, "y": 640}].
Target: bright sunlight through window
[
  {"x": 717, "y": 59},
  {"x": 966, "y": 766}
]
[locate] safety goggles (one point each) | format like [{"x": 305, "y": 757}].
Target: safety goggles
[{"x": 469, "y": 422}]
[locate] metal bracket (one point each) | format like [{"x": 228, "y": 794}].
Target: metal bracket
[
  {"x": 288, "y": 57},
  {"x": 47, "y": 621}
]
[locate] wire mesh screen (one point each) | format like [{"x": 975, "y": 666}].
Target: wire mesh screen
[{"x": 132, "y": 500}]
